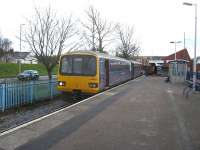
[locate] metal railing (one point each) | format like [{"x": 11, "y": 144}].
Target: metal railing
[
  {"x": 189, "y": 79},
  {"x": 190, "y": 75},
  {"x": 16, "y": 94}
]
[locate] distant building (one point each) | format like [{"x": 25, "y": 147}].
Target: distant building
[
  {"x": 23, "y": 57},
  {"x": 146, "y": 60},
  {"x": 156, "y": 62}
]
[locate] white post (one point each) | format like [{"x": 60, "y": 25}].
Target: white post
[
  {"x": 175, "y": 51},
  {"x": 195, "y": 46},
  {"x": 20, "y": 45},
  {"x": 175, "y": 58}
]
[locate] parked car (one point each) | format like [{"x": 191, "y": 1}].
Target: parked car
[{"x": 28, "y": 75}]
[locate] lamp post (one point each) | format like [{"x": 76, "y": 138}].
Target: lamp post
[
  {"x": 175, "y": 42},
  {"x": 20, "y": 44},
  {"x": 176, "y": 65},
  {"x": 195, "y": 43}
]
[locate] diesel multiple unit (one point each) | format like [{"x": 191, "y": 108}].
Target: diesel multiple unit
[{"x": 91, "y": 72}]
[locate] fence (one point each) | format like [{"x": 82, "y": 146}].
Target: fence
[
  {"x": 190, "y": 75},
  {"x": 15, "y": 94}
]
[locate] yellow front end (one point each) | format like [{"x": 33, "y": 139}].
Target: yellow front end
[{"x": 84, "y": 84}]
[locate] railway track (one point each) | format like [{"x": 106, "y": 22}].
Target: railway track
[{"x": 16, "y": 117}]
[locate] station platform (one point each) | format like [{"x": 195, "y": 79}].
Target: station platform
[{"x": 142, "y": 114}]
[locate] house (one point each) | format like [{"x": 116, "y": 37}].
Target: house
[{"x": 23, "y": 57}]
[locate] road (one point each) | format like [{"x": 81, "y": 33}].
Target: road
[
  {"x": 144, "y": 114},
  {"x": 15, "y": 79}
]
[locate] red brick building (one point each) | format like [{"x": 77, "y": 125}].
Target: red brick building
[
  {"x": 180, "y": 55},
  {"x": 198, "y": 64}
]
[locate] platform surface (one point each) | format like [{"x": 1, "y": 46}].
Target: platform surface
[{"x": 143, "y": 114}]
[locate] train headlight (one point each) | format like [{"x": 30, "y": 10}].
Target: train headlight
[
  {"x": 61, "y": 83},
  {"x": 93, "y": 85}
]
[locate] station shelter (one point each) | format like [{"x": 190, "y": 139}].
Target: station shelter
[{"x": 178, "y": 70}]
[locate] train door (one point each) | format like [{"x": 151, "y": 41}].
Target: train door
[
  {"x": 107, "y": 72},
  {"x": 132, "y": 70},
  {"x": 102, "y": 74}
]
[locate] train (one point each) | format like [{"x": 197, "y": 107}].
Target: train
[{"x": 91, "y": 72}]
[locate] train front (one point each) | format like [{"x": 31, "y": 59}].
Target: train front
[{"x": 78, "y": 73}]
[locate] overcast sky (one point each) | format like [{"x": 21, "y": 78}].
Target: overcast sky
[{"x": 156, "y": 22}]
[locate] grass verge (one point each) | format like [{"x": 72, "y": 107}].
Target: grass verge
[{"x": 11, "y": 70}]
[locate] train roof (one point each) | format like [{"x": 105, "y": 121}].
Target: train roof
[
  {"x": 97, "y": 54},
  {"x": 100, "y": 55}
]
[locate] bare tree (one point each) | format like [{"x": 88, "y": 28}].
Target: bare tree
[
  {"x": 89, "y": 34},
  {"x": 1, "y": 48},
  {"x": 98, "y": 29},
  {"x": 5, "y": 49},
  {"x": 46, "y": 36},
  {"x": 128, "y": 46}
]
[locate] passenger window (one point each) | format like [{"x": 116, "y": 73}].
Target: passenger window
[
  {"x": 89, "y": 66},
  {"x": 66, "y": 66},
  {"x": 77, "y": 65}
]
